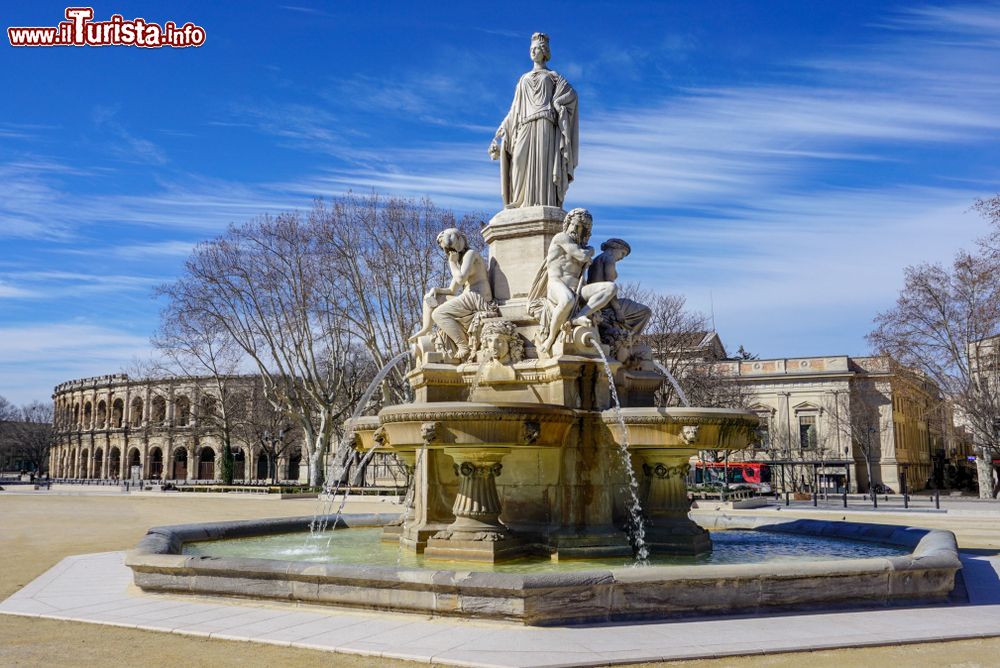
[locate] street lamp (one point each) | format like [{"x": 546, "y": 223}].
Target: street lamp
[{"x": 868, "y": 463}]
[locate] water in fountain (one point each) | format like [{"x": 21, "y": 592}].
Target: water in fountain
[
  {"x": 673, "y": 381},
  {"x": 637, "y": 528},
  {"x": 330, "y": 490}
]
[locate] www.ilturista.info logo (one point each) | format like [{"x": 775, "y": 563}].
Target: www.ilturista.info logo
[{"x": 80, "y": 30}]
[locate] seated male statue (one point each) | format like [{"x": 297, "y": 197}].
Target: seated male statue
[
  {"x": 468, "y": 275},
  {"x": 561, "y": 280}
]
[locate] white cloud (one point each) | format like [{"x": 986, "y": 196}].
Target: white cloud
[
  {"x": 35, "y": 358},
  {"x": 8, "y": 291}
]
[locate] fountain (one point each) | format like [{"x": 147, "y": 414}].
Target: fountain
[{"x": 534, "y": 434}]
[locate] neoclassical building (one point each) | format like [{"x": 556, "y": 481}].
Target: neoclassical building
[
  {"x": 113, "y": 427},
  {"x": 839, "y": 409},
  {"x": 824, "y": 414}
]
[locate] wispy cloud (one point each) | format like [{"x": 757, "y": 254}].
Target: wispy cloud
[
  {"x": 36, "y": 358},
  {"x": 307, "y": 10},
  {"x": 53, "y": 284},
  {"x": 302, "y": 126},
  {"x": 124, "y": 143},
  {"x": 8, "y": 291}
]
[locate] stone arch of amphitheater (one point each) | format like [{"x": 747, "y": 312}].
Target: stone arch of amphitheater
[{"x": 115, "y": 428}]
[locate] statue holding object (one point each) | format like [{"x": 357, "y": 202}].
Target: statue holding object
[
  {"x": 540, "y": 136},
  {"x": 559, "y": 286}
]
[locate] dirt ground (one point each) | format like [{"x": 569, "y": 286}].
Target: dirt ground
[{"x": 36, "y": 531}]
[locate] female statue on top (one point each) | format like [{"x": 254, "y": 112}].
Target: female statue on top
[{"x": 540, "y": 136}]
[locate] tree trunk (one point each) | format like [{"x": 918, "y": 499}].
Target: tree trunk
[
  {"x": 315, "y": 474},
  {"x": 984, "y": 472},
  {"x": 871, "y": 483},
  {"x": 227, "y": 464}
]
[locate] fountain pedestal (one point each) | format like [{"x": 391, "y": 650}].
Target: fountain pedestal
[
  {"x": 477, "y": 532},
  {"x": 432, "y": 489},
  {"x": 392, "y": 532},
  {"x": 518, "y": 240},
  {"x": 669, "y": 530}
]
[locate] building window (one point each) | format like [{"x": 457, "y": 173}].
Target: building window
[
  {"x": 764, "y": 431},
  {"x": 807, "y": 432}
]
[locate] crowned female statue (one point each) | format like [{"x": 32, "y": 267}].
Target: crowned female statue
[{"x": 540, "y": 136}]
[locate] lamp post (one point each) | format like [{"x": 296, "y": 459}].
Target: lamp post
[{"x": 868, "y": 464}]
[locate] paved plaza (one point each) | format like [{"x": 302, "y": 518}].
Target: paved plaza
[{"x": 95, "y": 587}]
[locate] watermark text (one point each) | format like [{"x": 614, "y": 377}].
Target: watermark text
[{"x": 79, "y": 29}]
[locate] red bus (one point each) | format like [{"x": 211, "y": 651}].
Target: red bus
[{"x": 750, "y": 474}]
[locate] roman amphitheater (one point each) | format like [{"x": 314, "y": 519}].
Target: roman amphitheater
[{"x": 116, "y": 428}]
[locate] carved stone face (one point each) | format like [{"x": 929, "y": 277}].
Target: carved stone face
[
  {"x": 452, "y": 241},
  {"x": 539, "y": 52},
  {"x": 497, "y": 346},
  {"x": 428, "y": 431},
  {"x": 500, "y": 342},
  {"x": 689, "y": 433},
  {"x": 578, "y": 231}
]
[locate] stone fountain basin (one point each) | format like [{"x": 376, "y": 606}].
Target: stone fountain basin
[
  {"x": 663, "y": 428},
  {"x": 463, "y": 424},
  {"x": 925, "y": 575},
  {"x": 364, "y": 431}
]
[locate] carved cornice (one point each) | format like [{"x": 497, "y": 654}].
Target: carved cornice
[
  {"x": 458, "y": 415},
  {"x": 680, "y": 420}
]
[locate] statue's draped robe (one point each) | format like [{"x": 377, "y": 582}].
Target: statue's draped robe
[{"x": 541, "y": 141}]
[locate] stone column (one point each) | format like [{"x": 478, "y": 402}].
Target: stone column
[
  {"x": 432, "y": 501},
  {"x": 477, "y": 506},
  {"x": 669, "y": 530},
  {"x": 477, "y": 532},
  {"x": 169, "y": 418},
  {"x": 392, "y": 532}
]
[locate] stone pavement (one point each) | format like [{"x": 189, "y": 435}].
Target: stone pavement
[{"x": 96, "y": 588}]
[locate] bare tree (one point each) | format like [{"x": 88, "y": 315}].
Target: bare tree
[
  {"x": 26, "y": 434},
  {"x": 675, "y": 336},
  {"x": 8, "y": 414},
  {"x": 385, "y": 253},
  {"x": 266, "y": 285},
  {"x": 858, "y": 418},
  {"x": 196, "y": 347},
  {"x": 8, "y": 411},
  {"x": 261, "y": 424},
  {"x": 944, "y": 325}
]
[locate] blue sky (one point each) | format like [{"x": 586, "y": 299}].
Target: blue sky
[{"x": 780, "y": 160}]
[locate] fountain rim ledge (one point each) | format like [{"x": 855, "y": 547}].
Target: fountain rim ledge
[{"x": 925, "y": 575}]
